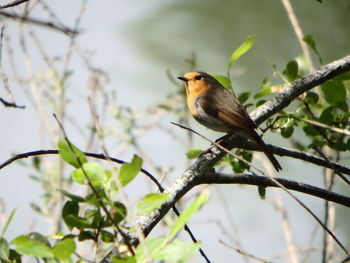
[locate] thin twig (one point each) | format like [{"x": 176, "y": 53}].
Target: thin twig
[
  {"x": 299, "y": 33},
  {"x": 331, "y": 165},
  {"x": 38, "y": 22},
  {"x": 14, "y": 3},
  {"x": 244, "y": 253}
]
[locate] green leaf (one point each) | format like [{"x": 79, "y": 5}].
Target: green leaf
[
  {"x": 119, "y": 212},
  {"x": 151, "y": 202},
  {"x": 311, "y": 97},
  {"x": 128, "y": 171},
  {"x": 94, "y": 217},
  {"x": 188, "y": 213},
  {"x": 339, "y": 146},
  {"x": 263, "y": 92},
  {"x": 8, "y": 221},
  {"x": 78, "y": 176},
  {"x": 291, "y": 71},
  {"x": 107, "y": 237},
  {"x": 37, "y": 163},
  {"x": 148, "y": 247},
  {"x": 64, "y": 249},
  {"x": 95, "y": 173},
  {"x": 334, "y": 92},
  {"x": 193, "y": 153},
  {"x": 286, "y": 132},
  {"x": 248, "y": 43},
  {"x": 327, "y": 115},
  {"x": 69, "y": 208},
  {"x": 71, "y": 154},
  {"x": 262, "y": 191},
  {"x": 15, "y": 257},
  {"x": 27, "y": 245},
  {"x": 312, "y": 44},
  {"x": 178, "y": 251},
  {"x": 86, "y": 235},
  {"x": 119, "y": 259},
  {"x": 224, "y": 81},
  {"x": 348, "y": 144},
  {"x": 239, "y": 166},
  {"x": 310, "y": 130},
  {"x": 4, "y": 249},
  {"x": 75, "y": 198},
  {"x": 77, "y": 221},
  {"x": 243, "y": 97}
]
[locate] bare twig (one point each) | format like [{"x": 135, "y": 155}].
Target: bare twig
[
  {"x": 299, "y": 33},
  {"x": 14, "y": 3},
  {"x": 241, "y": 143},
  {"x": 38, "y": 22},
  {"x": 4, "y": 79},
  {"x": 244, "y": 253}
]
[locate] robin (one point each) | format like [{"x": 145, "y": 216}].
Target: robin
[{"x": 218, "y": 109}]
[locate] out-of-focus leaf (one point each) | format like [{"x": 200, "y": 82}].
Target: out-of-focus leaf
[
  {"x": 151, "y": 202},
  {"x": 327, "y": 115},
  {"x": 334, "y": 92},
  {"x": 262, "y": 191},
  {"x": 8, "y": 221},
  {"x": 31, "y": 245},
  {"x": 69, "y": 208},
  {"x": 4, "y": 249},
  {"x": 291, "y": 71},
  {"x": 244, "y": 96},
  {"x": 188, "y": 213},
  {"x": 95, "y": 173},
  {"x": 263, "y": 93},
  {"x": 119, "y": 212},
  {"x": 106, "y": 236},
  {"x": 71, "y": 154},
  {"x": 120, "y": 259},
  {"x": 312, "y": 44},
  {"x": 128, "y": 171},
  {"x": 193, "y": 153},
  {"x": 224, "y": 81},
  {"x": 311, "y": 97},
  {"x": 64, "y": 249},
  {"x": 75, "y": 198},
  {"x": 241, "y": 50},
  {"x": 177, "y": 251}
]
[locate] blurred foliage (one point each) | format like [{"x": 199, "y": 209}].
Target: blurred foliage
[{"x": 212, "y": 29}]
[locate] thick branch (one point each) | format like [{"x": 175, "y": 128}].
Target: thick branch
[
  {"x": 220, "y": 178},
  {"x": 244, "y": 144}
]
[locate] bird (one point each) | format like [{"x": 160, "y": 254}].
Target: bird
[{"x": 218, "y": 109}]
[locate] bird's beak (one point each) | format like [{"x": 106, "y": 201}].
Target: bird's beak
[{"x": 183, "y": 79}]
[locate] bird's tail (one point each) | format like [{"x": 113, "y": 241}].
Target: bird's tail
[{"x": 266, "y": 149}]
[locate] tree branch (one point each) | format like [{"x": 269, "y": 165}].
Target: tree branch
[
  {"x": 280, "y": 151},
  {"x": 206, "y": 161},
  {"x": 248, "y": 179}
]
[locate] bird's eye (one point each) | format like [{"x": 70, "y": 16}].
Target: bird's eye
[{"x": 198, "y": 77}]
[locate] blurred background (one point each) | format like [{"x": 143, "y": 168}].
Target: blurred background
[{"x": 123, "y": 58}]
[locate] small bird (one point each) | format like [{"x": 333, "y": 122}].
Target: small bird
[{"x": 218, "y": 109}]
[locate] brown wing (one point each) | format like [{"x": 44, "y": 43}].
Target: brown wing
[
  {"x": 228, "y": 109},
  {"x": 225, "y": 106}
]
